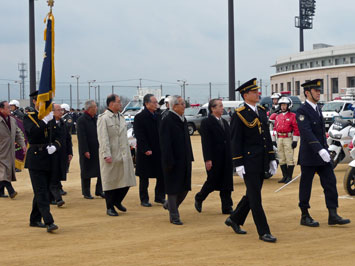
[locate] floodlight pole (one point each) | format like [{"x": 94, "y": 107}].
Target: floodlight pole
[
  {"x": 32, "y": 49},
  {"x": 231, "y": 50}
]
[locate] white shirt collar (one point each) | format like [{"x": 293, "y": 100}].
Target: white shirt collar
[
  {"x": 251, "y": 106},
  {"x": 314, "y": 105},
  {"x": 182, "y": 117}
]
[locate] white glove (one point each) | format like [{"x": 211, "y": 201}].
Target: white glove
[
  {"x": 51, "y": 149},
  {"x": 240, "y": 171},
  {"x": 48, "y": 118},
  {"x": 272, "y": 167},
  {"x": 323, "y": 153}
]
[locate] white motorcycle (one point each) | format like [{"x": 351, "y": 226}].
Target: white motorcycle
[
  {"x": 340, "y": 136},
  {"x": 349, "y": 178}
]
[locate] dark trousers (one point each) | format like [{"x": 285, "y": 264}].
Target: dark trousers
[
  {"x": 174, "y": 201},
  {"x": 85, "y": 186},
  {"x": 252, "y": 201},
  {"x": 8, "y": 186},
  {"x": 54, "y": 188},
  {"x": 225, "y": 195},
  {"x": 40, "y": 206},
  {"x": 327, "y": 180},
  {"x": 143, "y": 189},
  {"x": 114, "y": 197}
]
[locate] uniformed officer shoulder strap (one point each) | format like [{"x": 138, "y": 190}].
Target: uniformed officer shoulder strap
[{"x": 29, "y": 114}]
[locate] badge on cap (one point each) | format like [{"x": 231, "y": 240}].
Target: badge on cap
[{"x": 301, "y": 117}]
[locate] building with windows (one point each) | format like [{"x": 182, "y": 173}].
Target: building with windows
[{"x": 334, "y": 65}]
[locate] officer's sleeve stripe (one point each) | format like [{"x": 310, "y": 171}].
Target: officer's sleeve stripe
[
  {"x": 236, "y": 158},
  {"x": 312, "y": 142}
]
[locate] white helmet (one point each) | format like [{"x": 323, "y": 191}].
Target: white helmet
[
  {"x": 65, "y": 106},
  {"x": 276, "y": 95},
  {"x": 287, "y": 101},
  {"x": 15, "y": 102}
]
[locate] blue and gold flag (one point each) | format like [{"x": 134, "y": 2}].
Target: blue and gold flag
[{"x": 46, "y": 89}]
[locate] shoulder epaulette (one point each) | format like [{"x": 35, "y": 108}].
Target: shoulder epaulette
[
  {"x": 31, "y": 113},
  {"x": 240, "y": 109},
  {"x": 33, "y": 120},
  {"x": 262, "y": 107}
]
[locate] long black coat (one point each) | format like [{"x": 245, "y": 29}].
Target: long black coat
[
  {"x": 146, "y": 130},
  {"x": 216, "y": 146},
  {"x": 88, "y": 142},
  {"x": 176, "y": 154},
  {"x": 60, "y": 157}
]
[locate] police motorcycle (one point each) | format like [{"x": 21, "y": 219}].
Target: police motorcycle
[
  {"x": 349, "y": 177},
  {"x": 339, "y": 137}
]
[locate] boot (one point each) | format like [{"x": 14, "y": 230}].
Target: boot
[
  {"x": 284, "y": 173},
  {"x": 306, "y": 219},
  {"x": 334, "y": 218},
  {"x": 289, "y": 173}
]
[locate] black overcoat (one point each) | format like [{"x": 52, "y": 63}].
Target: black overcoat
[
  {"x": 60, "y": 157},
  {"x": 176, "y": 154},
  {"x": 216, "y": 146},
  {"x": 146, "y": 130},
  {"x": 88, "y": 142}
]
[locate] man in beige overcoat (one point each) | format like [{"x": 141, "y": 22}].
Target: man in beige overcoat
[
  {"x": 116, "y": 164},
  {"x": 9, "y": 133}
]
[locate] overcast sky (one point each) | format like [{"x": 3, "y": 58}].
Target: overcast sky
[{"x": 164, "y": 40}]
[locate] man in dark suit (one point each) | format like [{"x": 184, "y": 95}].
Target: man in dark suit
[
  {"x": 215, "y": 138},
  {"x": 62, "y": 157},
  {"x": 148, "y": 162},
  {"x": 314, "y": 157},
  {"x": 177, "y": 157},
  {"x": 86, "y": 130},
  {"x": 253, "y": 155},
  {"x": 39, "y": 164}
]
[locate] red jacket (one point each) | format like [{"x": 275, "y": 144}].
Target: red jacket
[{"x": 286, "y": 123}]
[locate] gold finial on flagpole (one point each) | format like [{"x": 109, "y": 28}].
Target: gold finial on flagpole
[{"x": 50, "y": 4}]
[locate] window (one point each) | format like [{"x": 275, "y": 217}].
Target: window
[
  {"x": 272, "y": 87},
  {"x": 344, "y": 60},
  {"x": 276, "y": 88},
  {"x": 352, "y": 60},
  {"x": 336, "y": 61},
  {"x": 351, "y": 82},
  {"x": 281, "y": 87},
  {"x": 311, "y": 64},
  {"x": 288, "y": 86},
  {"x": 334, "y": 85},
  {"x": 293, "y": 67},
  {"x": 323, "y": 62},
  {"x": 297, "y": 88},
  {"x": 301, "y": 65}
]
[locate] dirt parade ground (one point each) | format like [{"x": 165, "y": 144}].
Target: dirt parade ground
[{"x": 144, "y": 236}]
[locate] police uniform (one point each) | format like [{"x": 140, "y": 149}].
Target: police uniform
[
  {"x": 313, "y": 144},
  {"x": 38, "y": 162},
  {"x": 251, "y": 148},
  {"x": 68, "y": 121}
]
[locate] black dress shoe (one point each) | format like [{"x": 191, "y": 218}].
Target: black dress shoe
[
  {"x": 101, "y": 194},
  {"x": 198, "y": 205},
  {"x": 121, "y": 207},
  {"x": 13, "y": 195},
  {"x": 227, "y": 211},
  {"x": 88, "y": 197},
  {"x": 161, "y": 201},
  {"x": 111, "y": 212},
  {"x": 37, "y": 224},
  {"x": 235, "y": 226},
  {"x": 60, "y": 203},
  {"x": 53, "y": 202},
  {"x": 3, "y": 196},
  {"x": 51, "y": 227},
  {"x": 268, "y": 238},
  {"x": 146, "y": 204},
  {"x": 62, "y": 192},
  {"x": 307, "y": 220},
  {"x": 176, "y": 222}
]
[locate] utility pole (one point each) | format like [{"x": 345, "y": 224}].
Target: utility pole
[
  {"x": 231, "y": 50},
  {"x": 91, "y": 81},
  {"x": 77, "y": 90},
  {"x": 22, "y": 67},
  {"x": 71, "y": 97},
  {"x": 98, "y": 96},
  {"x": 183, "y": 87},
  {"x": 32, "y": 48},
  {"x": 8, "y": 92},
  {"x": 210, "y": 90}
]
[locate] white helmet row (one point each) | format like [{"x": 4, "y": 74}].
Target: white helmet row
[
  {"x": 15, "y": 102},
  {"x": 276, "y": 95},
  {"x": 286, "y": 100},
  {"x": 65, "y": 106}
]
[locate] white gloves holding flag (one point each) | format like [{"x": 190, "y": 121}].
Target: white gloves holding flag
[
  {"x": 240, "y": 171},
  {"x": 51, "y": 149},
  {"x": 48, "y": 118},
  {"x": 272, "y": 167},
  {"x": 324, "y": 154}
]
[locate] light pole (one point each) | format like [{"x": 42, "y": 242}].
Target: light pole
[
  {"x": 231, "y": 50},
  {"x": 94, "y": 91},
  {"x": 32, "y": 48},
  {"x": 91, "y": 81},
  {"x": 19, "y": 82},
  {"x": 77, "y": 89},
  {"x": 183, "y": 86}
]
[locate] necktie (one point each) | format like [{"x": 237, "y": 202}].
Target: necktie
[
  {"x": 256, "y": 111},
  {"x": 221, "y": 123},
  {"x": 318, "y": 111}
]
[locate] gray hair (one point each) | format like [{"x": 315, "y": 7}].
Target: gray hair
[
  {"x": 174, "y": 100},
  {"x": 89, "y": 104}
]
